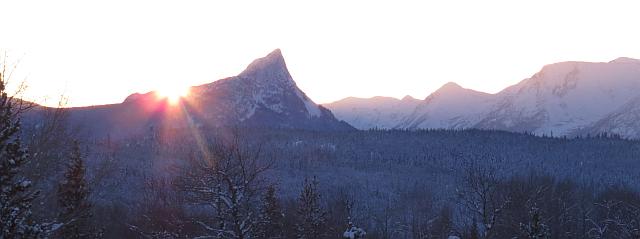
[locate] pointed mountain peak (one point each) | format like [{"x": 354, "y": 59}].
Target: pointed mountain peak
[
  {"x": 274, "y": 57},
  {"x": 272, "y": 65},
  {"x": 276, "y": 53}
]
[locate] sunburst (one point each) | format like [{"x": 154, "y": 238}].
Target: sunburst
[{"x": 173, "y": 93}]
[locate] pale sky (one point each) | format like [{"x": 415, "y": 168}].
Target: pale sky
[{"x": 100, "y": 52}]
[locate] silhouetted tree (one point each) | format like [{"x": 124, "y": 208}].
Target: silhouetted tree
[
  {"x": 73, "y": 194},
  {"x": 229, "y": 180},
  {"x": 16, "y": 194},
  {"x": 311, "y": 216},
  {"x": 480, "y": 196},
  {"x": 162, "y": 215},
  {"x": 270, "y": 219}
]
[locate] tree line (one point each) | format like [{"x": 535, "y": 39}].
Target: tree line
[{"x": 234, "y": 188}]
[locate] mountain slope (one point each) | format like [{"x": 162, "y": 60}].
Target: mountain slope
[
  {"x": 380, "y": 112},
  {"x": 622, "y": 121},
  {"x": 567, "y": 98},
  {"x": 447, "y": 107},
  {"x": 564, "y": 97},
  {"x": 263, "y": 95}
]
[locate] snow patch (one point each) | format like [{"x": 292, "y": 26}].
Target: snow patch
[{"x": 312, "y": 108}]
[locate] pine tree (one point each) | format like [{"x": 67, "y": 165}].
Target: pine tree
[
  {"x": 271, "y": 219},
  {"x": 73, "y": 195},
  {"x": 311, "y": 215},
  {"x": 16, "y": 194}
]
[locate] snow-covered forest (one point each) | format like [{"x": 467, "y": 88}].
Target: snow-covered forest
[
  {"x": 320, "y": 119},
  {"x": 259, "y": 183},
  {"x": 59, "y": 181}
]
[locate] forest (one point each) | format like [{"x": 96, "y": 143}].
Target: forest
[{"x": 57, "y": 181}]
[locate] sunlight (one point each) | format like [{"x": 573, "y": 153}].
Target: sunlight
[{"x": 172, "y": 93}]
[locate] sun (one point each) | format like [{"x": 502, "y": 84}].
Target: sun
[{"x": 172, "y": 93}]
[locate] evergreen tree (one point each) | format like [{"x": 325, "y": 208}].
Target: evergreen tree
[
  {"x": 311, "y": 216},
  {"x": 271, "y": 219},
  {"x": 16, "y": 194},
  {"x": 73, "y": 195}
]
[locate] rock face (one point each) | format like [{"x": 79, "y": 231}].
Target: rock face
[
  {"x": 263, "y": 95},
  {"x": 563, "y": 99}
]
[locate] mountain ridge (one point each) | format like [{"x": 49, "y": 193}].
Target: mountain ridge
[
  {"x": 263, "y": 95},
  {"x": 564, "y": 99}
]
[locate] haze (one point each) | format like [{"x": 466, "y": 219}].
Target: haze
[{"x": 98, "y": 53}]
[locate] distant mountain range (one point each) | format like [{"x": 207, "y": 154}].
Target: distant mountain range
[
  {"x": 562, "y": 99},
  {"x": 263, "y": 95}
]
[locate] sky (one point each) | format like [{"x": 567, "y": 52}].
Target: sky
[{"x": 100, "y": 52}]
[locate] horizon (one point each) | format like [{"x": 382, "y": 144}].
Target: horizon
[
  {"x": 389, "y": 50},
  {"x": 336, "y": 119},
  {"x": 183, "y": 93}
]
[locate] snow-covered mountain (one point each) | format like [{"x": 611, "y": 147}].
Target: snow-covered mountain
[
  {"x": 263, "y": 95},
  {"x": 381, "y": 112},
  {"x": 567, "y": 98},
  {"x": 446, "y": 107}
]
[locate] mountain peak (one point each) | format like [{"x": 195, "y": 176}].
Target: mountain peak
[
  {"x": 450, "y": 87},
  {"x": 274, "y": 56},
  {"x": 266, "y": 83},
  {"x": 270, "y": 66},
  {"x": 408, "y": 98},
  {"x": 276, "y": 52},
  {"x": 453, "y": 90},
  {"x": 625, "y": 60}
]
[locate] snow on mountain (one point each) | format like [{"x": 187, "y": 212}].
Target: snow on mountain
[
  {"x": 380, "y": 112},
  {"x": 263, "y": 95},
  {"x": 564, "y": 97},
  {"x": 567, "y": 98},
  {"x": 626, "y": 60},
  {"x": 272, "y": 79},
  {"x": 264, "y": 86},
  {"x": 622, "y": 121},
  {"x": 447, "y": 107}
]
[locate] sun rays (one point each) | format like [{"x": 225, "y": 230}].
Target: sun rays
[{"x": 173, "y": 94}]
